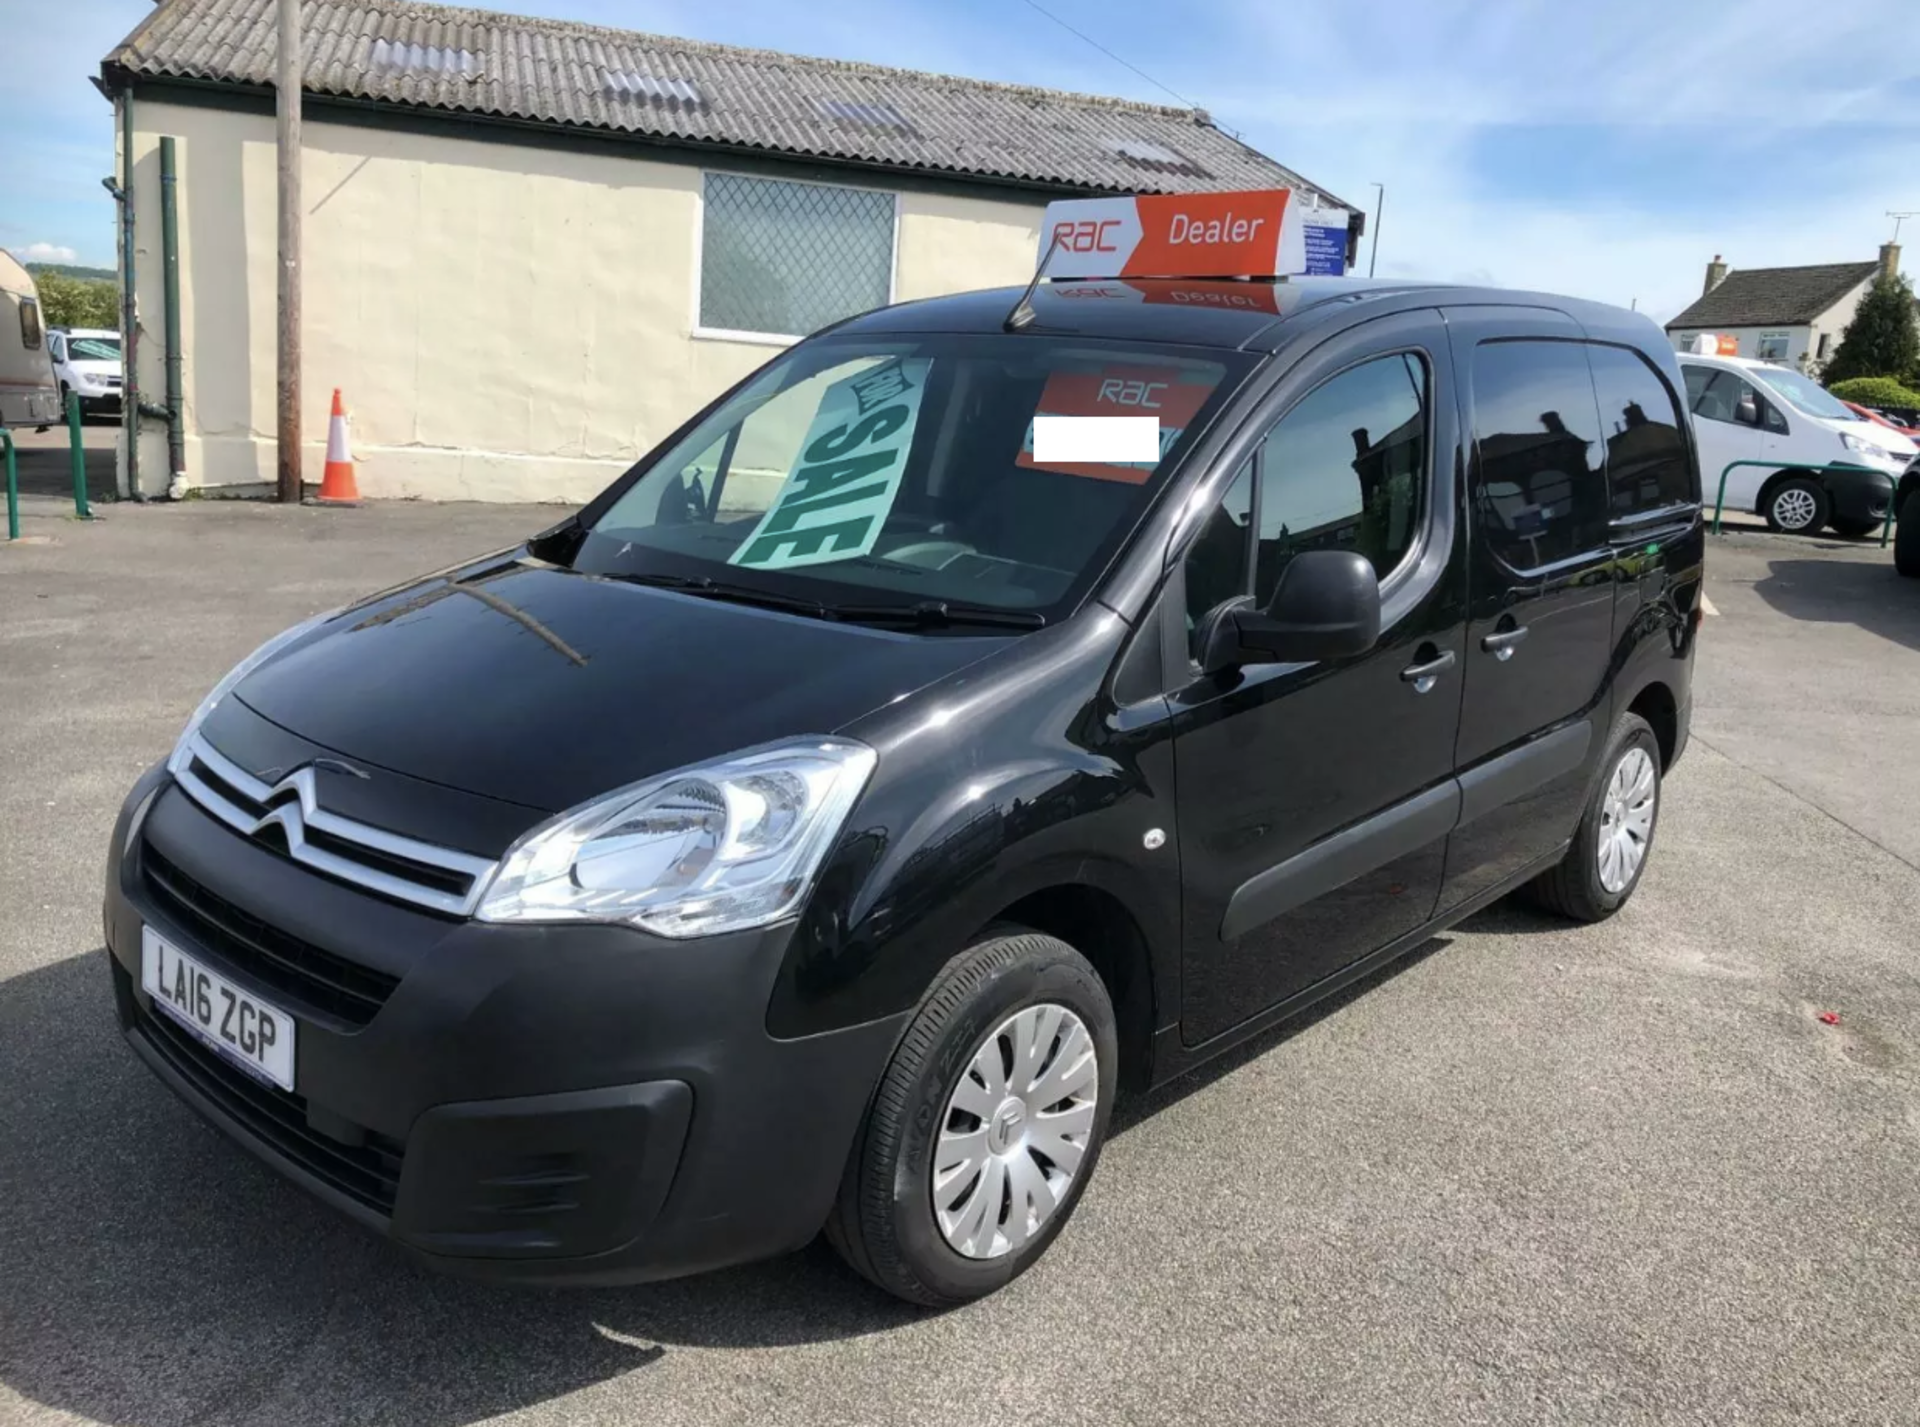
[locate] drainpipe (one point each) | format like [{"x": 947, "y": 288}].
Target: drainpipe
[
  {"x": 129, "y": 310},
  {"x": 170, "y": 266}
]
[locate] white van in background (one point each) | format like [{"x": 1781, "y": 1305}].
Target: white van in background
[
  {"x": 86, "y": 361},
  {"x": 28, "y": 393},
  {"x": 1745, "y": 410}
]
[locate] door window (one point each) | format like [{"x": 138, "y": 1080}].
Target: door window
[
  {"x": 1538, "y": 490},
  {"x": 1345, "y": 469},
  {"x": 56, "y": 347},
  {"x": 1217, "y": 561},
  {"x": 1646, "y": 448},
  {"x": 30, "y": 329},
  {"x": 1715, "y": 394}
]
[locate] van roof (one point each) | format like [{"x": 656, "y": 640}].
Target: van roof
[{"x": 1261, "y": 314}]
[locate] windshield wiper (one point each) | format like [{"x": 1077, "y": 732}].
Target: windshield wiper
[
  {"x": 738, "y": 594},
  {"x": 925, "y": 613}
]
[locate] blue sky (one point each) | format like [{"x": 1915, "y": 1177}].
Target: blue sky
[{"x": 1607, "y": 150}]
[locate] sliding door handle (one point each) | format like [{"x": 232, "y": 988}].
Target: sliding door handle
[
  {"x": 1423, "y": 675},
  {"x": 1501, "y": 645}
]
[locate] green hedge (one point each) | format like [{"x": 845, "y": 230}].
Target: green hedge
[{"x": 1875, "y": 391}]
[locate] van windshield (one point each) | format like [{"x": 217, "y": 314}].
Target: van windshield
[
  {"x": 903, "y": 473},
  {"x": 1804, "y": 394}
]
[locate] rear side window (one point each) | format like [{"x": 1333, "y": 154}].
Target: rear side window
[
  {"x": 30, "y": 334},
  {"x": 1646, "y": 448},
  {"x": 1538, "y": 488}
]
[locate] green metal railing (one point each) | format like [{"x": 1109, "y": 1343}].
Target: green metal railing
[
  {"x": 77, "y": 455},
  {"x": 13, "y": 487},
  {"x": 1720, "y": 499}
]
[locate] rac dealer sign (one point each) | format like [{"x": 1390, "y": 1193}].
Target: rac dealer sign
[{"x": 1259, "y": 233}]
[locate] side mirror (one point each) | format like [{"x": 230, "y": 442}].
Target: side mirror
[
  {"x": 1748, "y": 412},
  {"x": 1326, "y": 606}
]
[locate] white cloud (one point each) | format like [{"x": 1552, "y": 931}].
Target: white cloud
[{"x": 46, "y": 253}]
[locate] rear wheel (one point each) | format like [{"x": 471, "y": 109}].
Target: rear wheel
[
  {"x": 986, "y": 1126},
  {"x": 1610, "y": 847},
  {"x": 1797, "y": 506},
  {"x": 1906, "y": 536}
]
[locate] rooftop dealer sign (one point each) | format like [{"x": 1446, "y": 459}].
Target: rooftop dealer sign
[{"x": 1260, "y": 233}]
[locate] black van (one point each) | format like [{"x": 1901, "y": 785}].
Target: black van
[{"x": 824, "y": 825}]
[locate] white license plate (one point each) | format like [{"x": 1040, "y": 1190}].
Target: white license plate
[{"x": 254, "y": 1034}]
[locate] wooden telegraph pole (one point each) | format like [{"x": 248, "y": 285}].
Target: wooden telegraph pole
[{"x": 288, "y": 108}]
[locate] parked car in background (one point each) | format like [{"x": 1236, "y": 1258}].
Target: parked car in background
[
  {"x": 86, "y": 362},
  {"x": 1745, "y": 410},
  {"x": 1880, "y": 418},
  {"x": 29, "y": 395},
  {"x": 1907, "y": 418}
]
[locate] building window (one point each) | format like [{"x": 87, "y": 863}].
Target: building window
[
  {"x": 1773, "y": 347},
  {"x": 30, "y": 330},
  {"x": 1826, "y": 339},
  {"x": 786, "y": 259}
]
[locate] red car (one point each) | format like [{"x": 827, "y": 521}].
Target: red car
[{"x": 1869, "y": 414}]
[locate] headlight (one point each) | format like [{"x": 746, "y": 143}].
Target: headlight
[
  {"x": 234, "y": 675},
  {"x": 715, "y": 848},
  {"x": 1865, "y": 447}
]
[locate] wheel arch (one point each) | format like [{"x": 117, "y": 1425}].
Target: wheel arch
[
  {"x": 1099, "y": 925},
  {"x": 1655, "y": 702}
]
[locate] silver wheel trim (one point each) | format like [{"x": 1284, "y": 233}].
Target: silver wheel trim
[
  {"x": 1626, "y": 818},
  {"x": 1015, "y": 1131},
  {"x": 1794, "y": 508}
]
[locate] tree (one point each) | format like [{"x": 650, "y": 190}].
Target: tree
[
  {"x": 1882, "y": 340},
  {"x": 77, "y": 302}
]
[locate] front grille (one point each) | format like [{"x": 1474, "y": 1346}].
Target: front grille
[
  {"x": 313, "y": 978},
  {"x": 287, "y": 817},
  {"x": 368, "y": 1173}
]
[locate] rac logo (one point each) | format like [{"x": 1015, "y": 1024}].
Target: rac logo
[
  {"x": 1123, "y": 392},
  {"x": 1086, "y": 236}
]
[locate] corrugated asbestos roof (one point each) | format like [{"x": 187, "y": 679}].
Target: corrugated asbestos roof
[
  {"x": 1774, "y": 297},
  {"x": 684, "y": 91}
]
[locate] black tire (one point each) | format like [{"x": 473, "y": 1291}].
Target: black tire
[
  {"x": 884, "y": 1224},
  {"x": 1853, "y": 528},
  {"x": 63, "y": 402},
  {"x": 1573, "y": 888},
  {"x": 1906, "y": 537},
  {"x": 1807, "y": 515}
]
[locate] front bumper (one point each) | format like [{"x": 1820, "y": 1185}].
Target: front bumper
[
  {"x": 1865, "y": 494},
  {"x": 544, "y": 1104}
]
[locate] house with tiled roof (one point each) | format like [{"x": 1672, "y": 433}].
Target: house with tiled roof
[
  {"x": 1793, "y": 316},
  {"x": 532, "y": 248}
]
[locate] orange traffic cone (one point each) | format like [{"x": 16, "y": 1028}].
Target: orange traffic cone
[{"x": 337, "y": 486}]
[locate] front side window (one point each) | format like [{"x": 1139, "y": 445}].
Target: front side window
[
  {"x": 1538, "y": 487},
  {"x": 1218, "y": 562},
  {"x": 56, "y": 348},
  {"x": 1716, "y": 394},
  {"x": 30, "y": 329},
  {"x": 1345, "y": 469},
  {"x": 1646, "y": 449},
  {"x": 786, "y": 259},
  {"x": 854, "y": 471}
]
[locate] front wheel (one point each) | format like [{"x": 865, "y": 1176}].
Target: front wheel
[
  {"x": 986, "y": 1126},
  {"x": 1610, "y": 847},
  {"x": 1797, "y": 506},
  {"x": 1906, "y": 537}
]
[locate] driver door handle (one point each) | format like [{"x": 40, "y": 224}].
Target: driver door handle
[
  {"x": 1501, "y": 645},
  {"x": 1422, "y": 676}
]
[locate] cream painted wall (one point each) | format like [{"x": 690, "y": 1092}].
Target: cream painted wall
[{"x": 506, "y": 321}]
